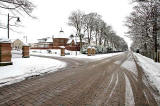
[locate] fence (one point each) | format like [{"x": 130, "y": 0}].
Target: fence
[{"x": 71, "y": 48}]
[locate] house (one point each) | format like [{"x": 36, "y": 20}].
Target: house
[
  {"x": 17, "y": 44},
  {"x": 71, "y": 42},
  {"x": 56, "y": 42},
  {"x": 44, "y": 43},
  {"x": 60, "y": 40}
]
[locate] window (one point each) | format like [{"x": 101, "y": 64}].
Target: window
[{"x": 62, "y": 41}]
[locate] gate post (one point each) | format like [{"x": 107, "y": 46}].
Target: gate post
[
  {"x": 93, "y": 51},
  {"x": 25, "y": 51},
  {"x": 89, "y": 50},
  {"x": 5, "y": 52},
  {"x": 62, "y": 50}
]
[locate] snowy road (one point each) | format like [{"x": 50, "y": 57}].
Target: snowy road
[{"x": 114, "y": 81}]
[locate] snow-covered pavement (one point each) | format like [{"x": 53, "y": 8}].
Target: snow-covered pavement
[
  {"x": 72, "y": 54},
  {"x": 25, "y": 67},
  {"x": 151, "y": 69}
]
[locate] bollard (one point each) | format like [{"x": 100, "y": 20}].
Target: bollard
[
  {"x": 5, "y": 52},
  {"x": 25, "y": 51}
]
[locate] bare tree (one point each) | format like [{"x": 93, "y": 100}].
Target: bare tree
[
  {"x": 94, "y": 29},
  {"x": 76, "y": 20},
  {"x": 90, "y": 25},
  {"x": 18, "y": 6}
]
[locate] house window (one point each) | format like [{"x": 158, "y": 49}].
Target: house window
[{"x": 62, "y": 41}]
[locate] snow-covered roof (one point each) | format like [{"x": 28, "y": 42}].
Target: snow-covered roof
[
  {"x": 61, "y": 46},
  {"x": 69, "y": 41},
  {"x": 49, "y": 39},
  {"x": 3, "y": 40},
  {"x": 61, "y": 34},
  {"x": 25, "y": 44},
  {"x": 45, "y": 40}
]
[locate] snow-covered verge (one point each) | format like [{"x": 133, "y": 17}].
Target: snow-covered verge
[
  {"x": 151, "y": 69},
  {"x": 72, "y": 54},
  {"x": 25, "y": 67}
]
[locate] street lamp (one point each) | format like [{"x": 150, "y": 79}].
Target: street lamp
[
  {"x": 76, "y": 42},
  {"x": 9, "y": 18}
]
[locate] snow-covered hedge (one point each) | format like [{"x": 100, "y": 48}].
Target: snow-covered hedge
[{"x": 99, "y": 49}]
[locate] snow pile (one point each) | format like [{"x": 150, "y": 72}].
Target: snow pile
[
  {"x": 5, "y": 40},
  {"x": 25, "y": 67},
  {"x": 151, "y": 69},
  {"x": 17, "y": 51},
  {"x": 95, "y": 57}
]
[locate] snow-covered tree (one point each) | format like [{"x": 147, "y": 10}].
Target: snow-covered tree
[{"x": 143, "y": 24}]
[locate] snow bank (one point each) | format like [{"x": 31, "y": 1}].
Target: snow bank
[
  {"x": 25, "y": 67},
  {"x": 151, "y": 68},
  {"x": 72, "y": 54}
]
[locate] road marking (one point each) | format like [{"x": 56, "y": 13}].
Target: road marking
[
  {"x": 129, "y": 98},
  {"x": 112, "y": 89}
]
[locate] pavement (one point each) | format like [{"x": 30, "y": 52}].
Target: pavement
[{"x": 84, "y": 83}]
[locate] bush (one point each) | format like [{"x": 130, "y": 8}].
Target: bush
[
  {"x": 99, "y": 49},
  {"x": 49, "y": 51},
  {"x": 84, "y": 49}
]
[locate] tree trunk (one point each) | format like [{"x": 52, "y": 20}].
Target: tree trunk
[
  {"x": 105, "y": 42},
  {"x": 155, "y": 30}
]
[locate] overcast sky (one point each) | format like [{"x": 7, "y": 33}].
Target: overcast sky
[{"x": 53, "y": 14}]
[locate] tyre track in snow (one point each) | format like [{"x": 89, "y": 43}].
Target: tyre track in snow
[
  {"x": 83, "y": 94},
  {"x": 142, "y": 94},
  {"x": 93, "y": 83},
  {"x": 129, "y": 98}
]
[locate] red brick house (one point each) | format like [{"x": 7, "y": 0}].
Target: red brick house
[
  {"x": 60, "y": 40},
  {"x": 57, "y": 41},
  {"x": 44, "y": 43}
]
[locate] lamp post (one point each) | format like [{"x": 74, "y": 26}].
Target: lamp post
[
  {"x": 25, "y": 37},
  {"x": 76, "y": 42},
  {"x": 9, "y": 18}
]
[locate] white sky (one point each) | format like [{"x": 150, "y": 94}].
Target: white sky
[{"x": 53, "y": 14}]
